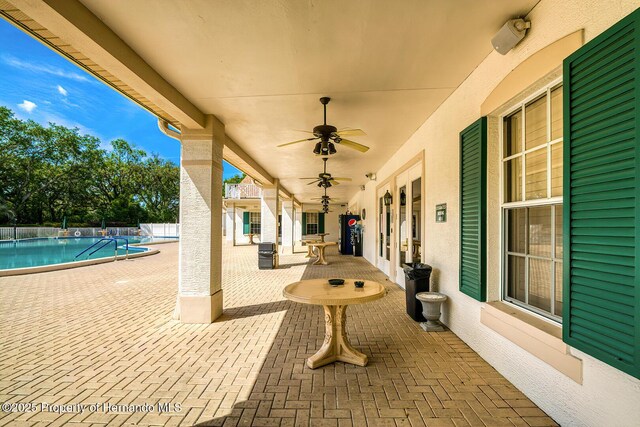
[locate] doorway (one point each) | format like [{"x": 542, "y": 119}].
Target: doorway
[
  {"x": 409, "y": 223},
  {"x": 384, "y": 231}
]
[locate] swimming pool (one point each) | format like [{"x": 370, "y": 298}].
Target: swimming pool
[{"x": 58, "y": 250}]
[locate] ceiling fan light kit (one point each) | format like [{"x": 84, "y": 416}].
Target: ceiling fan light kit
[{"x": 329, "y": 136}]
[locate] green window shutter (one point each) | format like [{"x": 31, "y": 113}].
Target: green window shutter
[
  {"x": 601, "y": 228},
  {"x": 321, "y": 223},
  {"x": 246, "y": 226},
  {"x": 473, "y": 210},
  {"x": 304, "y": 223}
]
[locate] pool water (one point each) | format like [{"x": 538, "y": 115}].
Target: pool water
[{"x": 57, "y": 250}]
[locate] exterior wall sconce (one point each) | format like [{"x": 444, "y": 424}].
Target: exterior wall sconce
[
  {"x": 387, "y": 198},
  {"x": 403, "y": 198}
]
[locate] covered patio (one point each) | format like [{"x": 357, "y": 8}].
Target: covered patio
[
  {"x": 105, "y": 335},
  {"x": 513, "y": 172}
]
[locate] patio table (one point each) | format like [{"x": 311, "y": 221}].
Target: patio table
[
  {"x": 321, "y": 247},
  {"x": 251, "y": 242},
  {"x": 334, "y": 299},
  {"x": 309, "y": 247},
  {"x": 321, "y": 235}
]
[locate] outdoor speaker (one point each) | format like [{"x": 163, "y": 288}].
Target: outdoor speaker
[{"x": 510, "y": 35}]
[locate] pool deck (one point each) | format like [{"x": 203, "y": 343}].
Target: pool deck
[{"x": 103, "y": 334}]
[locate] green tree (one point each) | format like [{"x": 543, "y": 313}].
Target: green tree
[
  {"x": 51, "y": 172},
  {"x": 41, "y": 168},
  {"x": 235, "y": 179},
  {"x": 157, "y": 189}
]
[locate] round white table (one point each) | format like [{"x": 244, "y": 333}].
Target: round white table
[{"x": 335, "y": 299}]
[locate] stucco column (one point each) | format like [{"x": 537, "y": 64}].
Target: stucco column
[
  {"x": 297, "y": 227},
  {"x": 200, "y": 259},
  {"x": 269, "y": 214},
  {"x": 239, "y": 232},
  {"x": 287, "y": 227},
  {"x": 230, "y": 223}
]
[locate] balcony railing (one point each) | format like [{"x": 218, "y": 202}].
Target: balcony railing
[{"x": 242, "y": 191}]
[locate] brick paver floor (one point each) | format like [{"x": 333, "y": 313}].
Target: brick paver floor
[{"x": 103, "y": 336}]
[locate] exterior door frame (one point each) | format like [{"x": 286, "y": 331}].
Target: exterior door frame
[
  {"x": 381, "y": 224},
  {"x": 389, "y": 183}
]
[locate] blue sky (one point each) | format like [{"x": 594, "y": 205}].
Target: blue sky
[{"x": 39, "y": 84}]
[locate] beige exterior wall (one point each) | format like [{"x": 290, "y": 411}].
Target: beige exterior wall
[
  {"x": 606, "y": 396},
  {"x": 330, "y": 219}
]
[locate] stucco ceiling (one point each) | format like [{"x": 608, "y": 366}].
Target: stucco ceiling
[{"x": 261, "y": 65}]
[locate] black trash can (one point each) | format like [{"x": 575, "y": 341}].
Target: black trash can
[
  {"x": 266, "y": 256},
  {"x": 416, "y": 279}
]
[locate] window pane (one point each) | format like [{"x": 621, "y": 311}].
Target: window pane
[
  {"x": 556, "y": 113},
  {"x": 540, "y": 231},
  {"x": 556, "y": 169},
  {"x": 515, "y": 277},
  {"x": 512, "y": 130},
  {"x": 536, "y": 123},
  {"x": 516, "y": 230},
  {"x": 536, "y": 181},
  {"x": 558, "y": 302},
  {"x": 513, "y": 180},
  {"x": 540, "y": 283},
  {"x": 558, "y": 231}
]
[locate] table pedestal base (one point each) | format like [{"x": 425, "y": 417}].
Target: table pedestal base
[
  {"x": 309, "y": 251},
  {"x": 336, "y": 346},
  {"x": 320, "y": 260}
]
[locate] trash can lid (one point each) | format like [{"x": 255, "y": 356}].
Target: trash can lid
[{"x": 431, "y": 296}]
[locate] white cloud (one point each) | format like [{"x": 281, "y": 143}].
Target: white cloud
[
  {"x": 39, "y": 68},
  {"x": 27, "y": 106},
  {"x": 62, "y": 91}
]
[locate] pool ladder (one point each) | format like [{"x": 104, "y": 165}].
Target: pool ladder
[{"x": 105, "y": 242}]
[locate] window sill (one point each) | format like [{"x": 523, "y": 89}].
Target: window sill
[{"x": 540, "y": 338}]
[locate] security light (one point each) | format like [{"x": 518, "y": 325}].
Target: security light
[{"x": 387, "y": 198}]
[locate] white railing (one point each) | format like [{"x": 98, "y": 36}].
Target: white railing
[
  {"x": 242, "y": 191},
  {"x": 8, "y": 233},
  {"x": 160, "y": 230},
  {"x": 97, "y": 231}
]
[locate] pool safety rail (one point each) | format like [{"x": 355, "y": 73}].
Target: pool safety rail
[{"x": 105, "y": 242}]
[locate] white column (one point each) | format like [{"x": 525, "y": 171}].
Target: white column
[
  {"x": 297, "y": 229},
  {"x": 230, "y": 228},
  {"x": 239, "y": 236},
  {"x": 200, "y": 274},
  {"x": 287, "y": 227},
  {"x": 269, "y": 214}
]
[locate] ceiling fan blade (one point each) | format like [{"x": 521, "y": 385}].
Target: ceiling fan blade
[
  {"x": 315, "y": 177},
  {"x": 341, "y": 179},
  {"x": 296, "y": 142},
  {"x": 305, "y": 131},
  {"x": 313, "y": 182},
  {"x": 354, "y": 145},
  {"x": 351, "y": 132},
  {"x": 334, "y": 182}
]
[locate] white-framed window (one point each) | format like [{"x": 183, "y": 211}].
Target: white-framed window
[
  {"x": 312, "y": 223},
  {"x": 254, "y": 221},
  {"x": 531, "y": 136}
]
